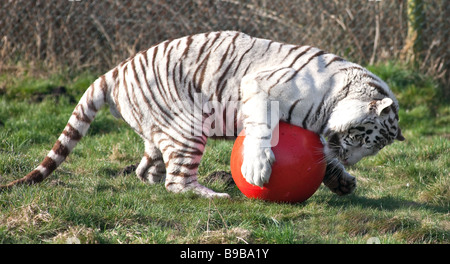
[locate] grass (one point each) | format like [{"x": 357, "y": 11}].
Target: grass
[{"x": 403, "y": 193}]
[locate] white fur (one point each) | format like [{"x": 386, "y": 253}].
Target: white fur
[{"x": 312, "y": 89}]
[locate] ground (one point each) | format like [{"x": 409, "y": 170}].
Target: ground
[{"x": 403, "y": 193}]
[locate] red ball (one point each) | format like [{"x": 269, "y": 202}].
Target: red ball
[{"x": 298, "y": 169}]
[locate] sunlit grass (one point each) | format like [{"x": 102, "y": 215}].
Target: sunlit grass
[{"x": 402, "y": 195}]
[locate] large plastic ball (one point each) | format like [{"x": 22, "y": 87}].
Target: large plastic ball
[{"x": 298, "y": 169}]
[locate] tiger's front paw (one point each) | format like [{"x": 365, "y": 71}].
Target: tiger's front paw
[
  {"x": 343, "y": 185},
  {"x": 257, "y": 165},
  {"x": 347, "y": 184}
]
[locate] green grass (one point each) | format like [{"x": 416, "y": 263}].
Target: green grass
[{"x": 403, "y": 193}]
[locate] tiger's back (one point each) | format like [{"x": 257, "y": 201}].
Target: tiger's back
[{"x": 210, "y": 66}]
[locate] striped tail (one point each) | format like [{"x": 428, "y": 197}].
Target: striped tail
[{"x": 77, "y": 126}]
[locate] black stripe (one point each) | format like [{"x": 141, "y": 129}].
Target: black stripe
[
  {"x": 220, "y": 87},
  {"x": 202, "y": 48},
  {"x": 246, "y": 70},
  {"x": 133, "y": 110},
  {"x": 166, "y": 44},
  {"x": 179, "y": 174},
  {"x": 322, "y": 128},
  {"x": 49, "y": 164},
  {"x": 195, "y": 152},
  {"x": 292, "y": 109},
  {"x": 290, "y": 51},
  {"x": 80, "y": 115},
  {"x": 156, "y": 118},
  {"x": 193, "y": 118},
  {"x": 222, "y": 60},
  {"x": 278, "y": 81},
  {"x": 351, "y": 68},
  {"x": 233, "y": 42},
  {"x": 275, "y": 71},
  {"x": 144, "y": 54},
  {"x": 378, "y": 88},
  {"x": 157, "y": 76},
  {"x": 186, "y": 149},
  {"x": 320, "y": 107},
  {"x": 190, "y": 88},
  {"x": 317, "y": 54},
  {"x": 345, "y": 91},
  {"x": 268, "y": 46},
  {"x": 166, "y": 116},
  {"x": 281, "y": 46},
  {"x": 103, "y": 86},
  {"x": 138, "y": 82},
  {"x": 72, "y": 132},
  {"x": 115, "y": 73},
  {"x": 335, "y": 59},
  {"x": 125, "y": 61},
  {"x": 168, "y": 74},
  {"x": 369, "y": 75},
  {"x": 116, "y": 88},
  {"x": 299, "y": 56},
  {"x": 243, "y": 55},
  {"x": 175, "y": 82},
  {"x": 306, "y": 118},
  {"x": 133, "y": 90},
  {"x": 188, "y": 44},
  {"x": 218, "y": 34},
  {"x": 189, "y": 166},
  {"x": 203, "y": 65},
  {"x": 90, "y": 98},
  {"x": 220, "y": 43},
  {"x": 60, "y": 149}
]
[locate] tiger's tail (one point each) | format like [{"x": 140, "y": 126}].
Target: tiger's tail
[{"x": 82, "y": 116}]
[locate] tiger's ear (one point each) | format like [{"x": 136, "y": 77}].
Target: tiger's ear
[{"x": 380, "y": 106}]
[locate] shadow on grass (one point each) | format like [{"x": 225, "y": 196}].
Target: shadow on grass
[{"x": 383, "y": 203}]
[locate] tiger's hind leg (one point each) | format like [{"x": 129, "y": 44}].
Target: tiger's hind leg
[
  {"x": 151, "y": 169},
  {"x": 182, "y": 163}
]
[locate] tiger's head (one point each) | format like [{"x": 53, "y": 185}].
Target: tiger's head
[{"x": 365, "y": 131}]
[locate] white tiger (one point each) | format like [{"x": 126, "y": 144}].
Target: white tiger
[{"x": 316, "y": 90}]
